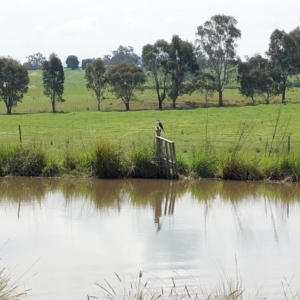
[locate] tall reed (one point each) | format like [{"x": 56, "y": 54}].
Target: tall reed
[{"x": 8, "y": 288}]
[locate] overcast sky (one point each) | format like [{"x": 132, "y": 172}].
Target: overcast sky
[{"x": 93, "y": 28}]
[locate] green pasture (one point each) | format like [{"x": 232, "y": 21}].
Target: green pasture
[
  {"x": 220, "y": 129},
  {"x": 79, "y": 99},
  {"x": 78, "y": 126}
]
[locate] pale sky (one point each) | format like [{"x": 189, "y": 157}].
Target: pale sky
[{"x": 93, "y": 28}]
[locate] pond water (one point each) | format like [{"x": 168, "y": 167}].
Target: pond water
[{"x": 59, "y": 237}]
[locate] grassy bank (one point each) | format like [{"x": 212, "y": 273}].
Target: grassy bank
[{"x": 109, "y": 160}]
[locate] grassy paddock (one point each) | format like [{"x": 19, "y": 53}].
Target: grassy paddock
[
  {"x": 79, "y": 99},
  {"x": 232, "y": 142}
]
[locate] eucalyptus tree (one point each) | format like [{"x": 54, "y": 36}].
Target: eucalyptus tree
[
  {"x": 296, "y": 36},
  {"x": 124, "y": 78},
  {"x": 217, "y": 40},
  {"x": 182, "y": 64},
  {"x": 205, "y": 84},
  {"x": 283, "y": 54},
  {"x": 155, "y": 60},
  {"x": 72, "y": 62},
  {"x": 14, "y": 82},
  {"x": 121, "y": 55},
  {"x": 259, "y": 78},
  {"x": 95, "y": 75},
  {"x": 53, "y": 79},
  {"x": 35, "y": 61},
  {"x": 86, "y": 61}
]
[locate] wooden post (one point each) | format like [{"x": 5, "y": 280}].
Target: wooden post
[
  {"x": 289, "y": 144},
  {"x": 20, "y": 134},
  {"x": 175, "y": 175},
  {"x": 167, "y": 160},
  {"x": 165, "y": 152}
]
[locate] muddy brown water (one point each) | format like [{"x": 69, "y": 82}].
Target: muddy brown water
[{"x": 59, "y": 237}]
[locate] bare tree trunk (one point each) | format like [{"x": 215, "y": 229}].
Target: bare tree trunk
[
  {"x": 53, "y": 101},
  {"x": 98, "y": 104},
  {"x": 283, "y": 91},
  {"x": 174, "y": 102},
  {"x": 159, "y": 103},
  {"x": 127, "y": 105},
  {"x": 53, "y": 106},
  {"x": 8, "y": 109},
  {"x": 220, "y": 97}
]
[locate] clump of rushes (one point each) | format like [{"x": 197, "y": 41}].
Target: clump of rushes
[
  {"x": 26, "y": 161},
  {"x": 182, "y": 165},
  {"x": 4, "y": 151},
  {"x": 204, "y": 164},
  {"x": 76, "y": 163},
  {"x": 52, "y": 169},
  {"x": 143, "y": 162},
  {"x": 239, "y": 167},
  {"x": 278, "y": 167},
  {"x": 107, "y": 160}
]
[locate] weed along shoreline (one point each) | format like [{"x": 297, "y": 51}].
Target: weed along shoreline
[{"x": 109, "y": 160}]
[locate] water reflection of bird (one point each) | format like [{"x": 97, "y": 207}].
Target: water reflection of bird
[{"x": 160, "y": 125}]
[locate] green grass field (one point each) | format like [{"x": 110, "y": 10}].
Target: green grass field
[
  {"x": 78, "y": 98},
  {"x": 78, "y": 125}
]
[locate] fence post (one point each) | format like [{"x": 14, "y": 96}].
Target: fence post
[
  {"x": 289, "y": 144},
  {"x": 20, "y": 134}
]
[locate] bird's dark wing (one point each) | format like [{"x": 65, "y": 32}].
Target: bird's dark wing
[{"x": 161, "y": 126}]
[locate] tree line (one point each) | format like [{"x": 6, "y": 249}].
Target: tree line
[{"x": 171, "y": 68}]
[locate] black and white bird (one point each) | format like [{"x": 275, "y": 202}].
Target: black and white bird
[{"x": 160, "y": 125}]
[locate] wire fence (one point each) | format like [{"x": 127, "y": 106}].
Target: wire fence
[{"x": 58, "y": 138}]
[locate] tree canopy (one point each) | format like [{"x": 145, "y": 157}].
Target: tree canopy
[
  {"x": 155, "y": 60},
  {"x": 121, "y": 55},
  {"x": 259, "y": 78},
  {"x": 217, "y": 40},
  {"x": 283, "y": 54},
  {"x": 181, "y": 64},
  {"x": 53, "y": 79},
  {"x": 96, "y": 78},
  {"x": 86, "y": 61},
  {"x": 72, "y": 62},
  {"x": 34, "y": 61},
  {"x": 14, "y": 82},
  {"x": 124, "y": 79}
]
